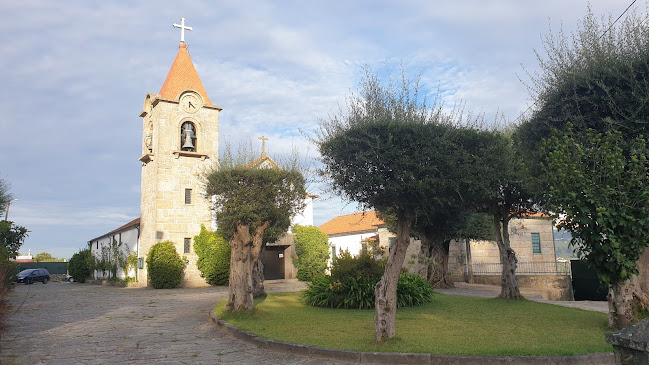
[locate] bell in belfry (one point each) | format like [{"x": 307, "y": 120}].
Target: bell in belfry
[{"x": 189, "y": 138}]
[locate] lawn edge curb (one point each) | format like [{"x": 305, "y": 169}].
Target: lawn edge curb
[{"x": 362, "y": 357}]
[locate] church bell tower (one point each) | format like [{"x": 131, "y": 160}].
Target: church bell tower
[{"x": 180, "y": 128}]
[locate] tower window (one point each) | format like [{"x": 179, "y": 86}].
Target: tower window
[
  {"x": 188, "y": 137},
  {"x": 536, "y": 243},
  {"x": 187, "y": 245},
  {"x": 188, "y": 196}
]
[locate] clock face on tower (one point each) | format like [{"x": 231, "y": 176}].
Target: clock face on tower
[{"x": 190, "y": 102}]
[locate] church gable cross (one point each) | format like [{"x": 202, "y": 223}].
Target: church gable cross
[
  {"x": 182, "y": 29},
  {"x": 263, "y": 144}
]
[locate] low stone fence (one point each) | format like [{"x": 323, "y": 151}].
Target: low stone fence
[{"x": 551, "y": 287}]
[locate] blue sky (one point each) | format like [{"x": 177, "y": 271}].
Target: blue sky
[{"x": 75, "y": 73}]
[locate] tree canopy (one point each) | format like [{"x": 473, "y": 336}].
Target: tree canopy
[
  {"x": 585, "y": 146},
  {"x": 592, "y": 79},
  {"x": 250, "y": 197},
  {"x": 5, "y": 195},
  {"x": 46, "y": 257}
]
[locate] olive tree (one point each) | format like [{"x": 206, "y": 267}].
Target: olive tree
[
  {"x": 504, "y": 194},
  {"x": 596, "y": 78},
  {"x": 253, "y": 205},
  {"x": 604, "y": 194},
  {"x": 389, "y": 151}
]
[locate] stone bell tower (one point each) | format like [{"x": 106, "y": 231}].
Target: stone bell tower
[{"x": 179, "y": 143}]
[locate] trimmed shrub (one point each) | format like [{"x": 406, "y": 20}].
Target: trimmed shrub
[
  {"x": 165, "y": 266},
  {"x": 213, "y": 256},
  {"x": 413, "y": 290},
  {"x": 312, "y": 248},
  {"x": 80, "y": 266},
  {"x": 364, "y": 265},
  {"x": 353, "y": 280}
]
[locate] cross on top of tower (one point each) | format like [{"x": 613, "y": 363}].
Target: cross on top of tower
[
  {"x": 182, "y": 29},
  {"x": 263, "y": 144}
]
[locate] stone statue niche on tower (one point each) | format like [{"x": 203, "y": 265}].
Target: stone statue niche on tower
[{"x": 188, "y": 137}]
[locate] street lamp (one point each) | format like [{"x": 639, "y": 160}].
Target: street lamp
[{"x": 7, "y": 211}]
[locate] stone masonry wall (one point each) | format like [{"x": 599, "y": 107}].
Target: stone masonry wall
[{"x": 166, "y": 174}]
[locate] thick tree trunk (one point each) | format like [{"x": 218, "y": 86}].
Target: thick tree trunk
[
  {"x": 240, "y": 286},
  {"x": 245, "y": 251},
  {"x": 643, "y": 272},
  {"x": 508, "y": 281},
  {"x": 438, "y": 269},
  {"x": 257, "y": 266},
  {"x": 625, "y": 300},
  {"x": 469, "y": 262},
  {"x": 258, "y": 289},
  {"x": 386, "y": 289}
]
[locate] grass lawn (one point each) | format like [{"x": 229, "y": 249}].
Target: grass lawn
[{"x": 449, "y": 325}]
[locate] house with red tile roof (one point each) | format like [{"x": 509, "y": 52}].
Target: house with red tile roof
[
  {"x": 347, "y": 232},
  {"x": 531, "y": 237}
]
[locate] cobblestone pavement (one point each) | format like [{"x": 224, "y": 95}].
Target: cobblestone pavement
[
  {"x": 72, "y": 323},
  {"x": 492, "y": 291}
]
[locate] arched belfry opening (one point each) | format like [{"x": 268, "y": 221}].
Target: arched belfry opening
[{"x": 188, "y": 138}]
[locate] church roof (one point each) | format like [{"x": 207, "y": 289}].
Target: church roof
[
  {"x": 183, "y": 76},
  {"x": 264, "y": 161},
  {"x": 350, "y": 223}
]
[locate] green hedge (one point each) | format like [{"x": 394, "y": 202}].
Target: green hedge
[
  {"x": 312, "y": 249},
  {"x": 213, "y": 257},
  {"x": 165, "y": 266}
]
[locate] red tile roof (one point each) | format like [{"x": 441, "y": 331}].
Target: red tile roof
[
  {"x": 357, "y": 222},
  {"x": 130, "y": 224},
  {"x": 183, "y": 76}
]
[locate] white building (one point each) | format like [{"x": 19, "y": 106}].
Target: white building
[{"x": 127, "y": 239}]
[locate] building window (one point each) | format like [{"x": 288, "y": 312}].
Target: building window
[
  {"x": 187, "y": 245},
  {"x": 392, "y": 241},
  {"x": 188, "y": 137},
  {"x": 333, "y": 251},
  {"x": 536, "y": 243},
  {"x": 140, "y": 262},
  {"x": 188, "y": 196}
]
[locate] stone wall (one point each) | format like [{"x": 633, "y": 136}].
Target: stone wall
[{"x": 550, "y": 287}]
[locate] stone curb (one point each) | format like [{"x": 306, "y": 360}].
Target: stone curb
[{"x": 361, "y": 357}]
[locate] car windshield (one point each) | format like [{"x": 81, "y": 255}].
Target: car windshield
[{"x": 26, "y": 272}]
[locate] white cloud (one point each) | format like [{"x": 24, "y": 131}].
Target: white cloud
[{"x": 74, "y": 83}]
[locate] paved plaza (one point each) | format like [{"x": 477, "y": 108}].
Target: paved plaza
[{"x": 72, "y": 323}]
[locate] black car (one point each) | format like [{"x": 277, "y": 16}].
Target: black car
[{"x": 29, "y": 276}]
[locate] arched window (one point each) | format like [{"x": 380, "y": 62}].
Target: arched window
[{"x": 188, "y": 137}]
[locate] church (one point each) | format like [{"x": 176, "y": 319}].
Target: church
[{"x": 180, "y": 142}]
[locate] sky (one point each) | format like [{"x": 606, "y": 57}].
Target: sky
[{"x": 74, "y": 76}]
